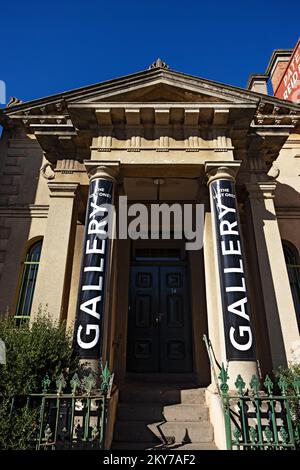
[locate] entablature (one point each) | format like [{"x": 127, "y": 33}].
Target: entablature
[{"x": 156, "y": 110}]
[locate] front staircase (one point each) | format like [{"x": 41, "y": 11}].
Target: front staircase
[{"x": 160, "y": 416}]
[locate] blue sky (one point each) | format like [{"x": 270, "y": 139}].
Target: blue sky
[{"x": 50, "y": 47}]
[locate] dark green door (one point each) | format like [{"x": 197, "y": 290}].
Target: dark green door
[{"x": 159, "y": 330}]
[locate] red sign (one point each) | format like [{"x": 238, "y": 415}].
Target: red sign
[{"x": 289, "y": 86}]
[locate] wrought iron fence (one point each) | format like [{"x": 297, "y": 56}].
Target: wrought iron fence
[
  {"x": 65, "y": 420},
  {"x": 263, "y": 416}
]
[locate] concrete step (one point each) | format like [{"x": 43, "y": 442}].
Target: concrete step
[
  {"x": 186, "y": 412},
  {"x": 135, "y": 431},
  {"x": 172, "y": 447},
  {"x": 170, "y": 378},
  {"x": 140, "y": 412},
  {"x": 158, "y": 412},
  {"x": 162, "y": 395},
  {"x": 135, "y": 446},
  {"x": 197, "y": 446},
  {"x": 186, "y": 431}
]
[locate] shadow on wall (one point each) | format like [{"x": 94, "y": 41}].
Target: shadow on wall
[
  {"x": 20, "y": 162},
  {"x": 286, "y": 196}
]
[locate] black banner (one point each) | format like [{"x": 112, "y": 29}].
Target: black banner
[
  {"x": 91, "y": 293},
  {"x": 239, "y": 338}
]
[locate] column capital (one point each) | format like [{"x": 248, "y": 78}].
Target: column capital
[
  {"x": 107, "y": 170},
  {"x": 261, "y": 189},
  {"x": 222, "y": 170},
  {"x": 62, "y": 189}
]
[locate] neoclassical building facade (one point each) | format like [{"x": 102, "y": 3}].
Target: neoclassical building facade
[{"x": 157, "y": 136}]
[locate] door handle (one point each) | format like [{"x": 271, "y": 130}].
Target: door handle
[{"x": 159, "y": 317}]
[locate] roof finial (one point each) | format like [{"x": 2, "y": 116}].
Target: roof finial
[
  {"x": 13, "y": 102},
  {"x": 158, "y": 64}
]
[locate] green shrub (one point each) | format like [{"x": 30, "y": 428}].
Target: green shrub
[
  {"x": 291, "y": 373},
  {"x": 17, "y": 429},
  {"x": 33, "y": 350}
]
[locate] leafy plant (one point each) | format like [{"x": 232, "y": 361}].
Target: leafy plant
[
  {"x": 18, "y": 427},
  {"x": 292, "y": 375},
  {"x": 34, "y": 349}
]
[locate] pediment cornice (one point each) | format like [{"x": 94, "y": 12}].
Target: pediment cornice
[
  {"x": 200, "y": 89},
  {"x": 67, "y": 123}
]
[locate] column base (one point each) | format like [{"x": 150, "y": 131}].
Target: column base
[
  {"x": 244, "y": 368},
  {"x": 91, "y": 366}
]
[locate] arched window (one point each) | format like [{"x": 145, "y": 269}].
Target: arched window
[
  {"x": 29, "y": 274},
  {"x": 293, "y": 268}
]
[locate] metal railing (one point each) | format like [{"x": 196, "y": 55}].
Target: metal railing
[
  {"x": 59, "y": 420},
  {"x": 262, "y": 416}
]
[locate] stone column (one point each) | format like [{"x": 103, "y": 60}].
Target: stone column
[
  {"x": 53, "y": 280},
  {"x": 277, "y": 297},
  {"x": 91, "y": 326},
  {"x": 233, "y": 316}
]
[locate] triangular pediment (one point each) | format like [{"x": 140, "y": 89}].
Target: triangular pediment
[
  {"x": 161, "y": 87},
  {"x": 162, "y": 93},
  {"x": 149, "y": 86},
  {"x": 68, "y": 122}
]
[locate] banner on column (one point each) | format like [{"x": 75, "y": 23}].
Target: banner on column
[
  {"x": 91, "y": 294},
  {"x": 239, "y": 338}
]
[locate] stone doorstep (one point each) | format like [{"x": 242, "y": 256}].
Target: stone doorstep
[
  {"x": 147, "y": 411},
  {"x": 172, "y": 379},
  {"x": 189, "y": 432},
  {"x": 186, "y": 412},
  {"x": 163, "y": 395},
  {"x": 148, "y": 417},
  {"x": 173, "y": 447}
]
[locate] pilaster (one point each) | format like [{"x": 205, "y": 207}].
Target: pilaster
[
  {"x": 53, "y": 280},
  {"x": 278, "y": 302}
]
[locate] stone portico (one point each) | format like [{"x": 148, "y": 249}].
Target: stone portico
[{"x": 161, "y": 137}]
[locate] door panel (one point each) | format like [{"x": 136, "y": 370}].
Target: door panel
[
  {"x": 175, "y": 328},
  {"x": 143, "y": 341},
  {"x": 159, "y": 330}
]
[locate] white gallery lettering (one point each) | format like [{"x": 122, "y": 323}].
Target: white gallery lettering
[
  {"x": 162, "y": 221},
  {"x": 90, "y": 308},
  {"x": 236, "y": 309}
]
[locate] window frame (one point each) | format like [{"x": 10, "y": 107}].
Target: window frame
[
  {"x": 24, "y": 289},
  {"x": 293, "y": 271}
]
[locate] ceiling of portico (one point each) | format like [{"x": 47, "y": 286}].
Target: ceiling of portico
[{"x": 161, "y": 189}]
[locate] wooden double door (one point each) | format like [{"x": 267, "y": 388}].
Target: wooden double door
[{"x": 159, "y": 324}]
